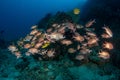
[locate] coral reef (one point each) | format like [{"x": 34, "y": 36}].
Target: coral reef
[
  {"x": 62, "y": 49},
  {"x": 31, "y": 69},
  {"x": 63, "y": 37}
]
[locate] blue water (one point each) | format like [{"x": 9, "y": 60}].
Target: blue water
[{"x": 17, "y": 16}]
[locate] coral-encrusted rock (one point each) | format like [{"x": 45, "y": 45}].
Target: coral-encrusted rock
[
  {"x": 62, "y": 38},
  {"x": 22, "y": 64},
  {"x": 97, "y": 60},
  {"x": 115, "y": 57}
]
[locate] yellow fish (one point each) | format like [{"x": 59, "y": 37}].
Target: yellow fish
[
  {"x": 76, "y": 11},
  {"x": 32, "y": 44},
  {"x": 46, "y": 45}
]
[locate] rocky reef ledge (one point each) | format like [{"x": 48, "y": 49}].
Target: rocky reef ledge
[{"x": 60, "y": 48}]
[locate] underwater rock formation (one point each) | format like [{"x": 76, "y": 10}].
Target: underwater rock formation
[
  {"x": 62, "y": 38},
  {"x": 43, "y": 23}
]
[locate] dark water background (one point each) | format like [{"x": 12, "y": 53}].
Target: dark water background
[{"x": 17, "y": 16}]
